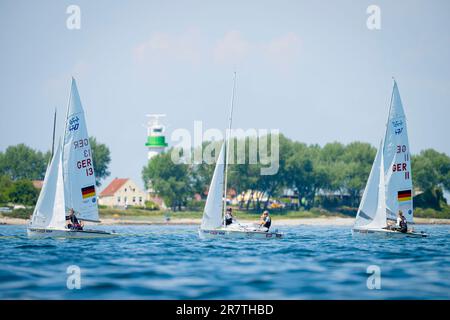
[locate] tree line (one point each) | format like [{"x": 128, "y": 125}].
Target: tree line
[
  {"x": 20, "y": 165},
  {"x": 308, "y": 170}
]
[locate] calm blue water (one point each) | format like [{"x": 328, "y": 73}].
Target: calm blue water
[{"x": 170, "y": 262}]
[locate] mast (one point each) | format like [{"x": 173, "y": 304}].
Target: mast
[
  {"x": 384, "y": 140},
  {"x": 227, "y": 149},
  {"x": 65, "y": 132},
  {"x": 389, "y": 113},
  {"x": 53, "y": 138}
]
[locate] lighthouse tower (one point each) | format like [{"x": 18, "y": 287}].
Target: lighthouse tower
[{"x": 156, "y": 140}]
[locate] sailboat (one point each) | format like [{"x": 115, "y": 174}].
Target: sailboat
[
  {"x": 389, "y": 187},
  {"x": 213, "y": 220},
  {"x": 69, "y": 181}
]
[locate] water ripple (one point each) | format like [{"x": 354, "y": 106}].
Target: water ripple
[{"x": 170, "y": 262}]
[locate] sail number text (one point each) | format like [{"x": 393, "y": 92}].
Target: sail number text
[
  {"x": 399, "y": 167},
  {"x": 86, "y": 163},
  {"x": 81, "y": 143}
]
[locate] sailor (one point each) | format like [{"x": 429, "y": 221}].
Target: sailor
[
  {"x": 72, "y": 221},
  {"x": 228, "y": 217},
  {"x": 265, "y": 220},
  {"x": 401, "y": 225}
]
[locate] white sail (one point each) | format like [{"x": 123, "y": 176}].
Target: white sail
[
  {"x": 212, "y": 214},
  {"x": 372, "y": 209},
  {"x": 50, "y": 207},
  {"x": 79, "y": 175},
  {"x": 397, "y": 161}
]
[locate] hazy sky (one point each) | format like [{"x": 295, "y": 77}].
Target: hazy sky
[{"x": 309, "y": 68}]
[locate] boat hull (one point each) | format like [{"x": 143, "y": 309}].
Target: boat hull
[
  {"x": 238, "y": 234},
  {"x": 388, "y": 233},
  {"x": 65, "y": 233}
]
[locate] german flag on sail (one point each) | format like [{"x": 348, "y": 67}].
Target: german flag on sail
[
  {"x": 88, "y": 192},
  {"x": 404, "y": 195}
]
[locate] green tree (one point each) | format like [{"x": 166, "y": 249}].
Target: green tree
[
  {"x": 22, "y": 162},
  {"x": 305, "y": 172},
  {"x": 5, "y": 185},
  {"x": 101, "y": 159},
  {"x": 23, "y": 192},
  {"x": 243, "y": 177},
  {"x": 170, "y": 181},
  {"x": 331, "y": 159},
  {"x": 272, "y": 184},
  {"x": 201, "y": 174},
  {"x": 332, "y": 152},
  {"x": 431, "y": 169},
  {"x": 358, "y": 157},
  {"x": 425, "y": 177}
]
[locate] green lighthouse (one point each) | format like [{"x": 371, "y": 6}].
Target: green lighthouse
[{"x": 156, "y": 140}]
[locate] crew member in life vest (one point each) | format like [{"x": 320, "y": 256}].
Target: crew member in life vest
[
  {"x": 265, "y": 221},
  {"x": 402, "y": 224},
  {"x": 229, "y": 219},
  {"x": 72, "y": 221}
]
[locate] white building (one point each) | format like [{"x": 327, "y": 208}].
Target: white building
[{"x": 121, "y": 193}]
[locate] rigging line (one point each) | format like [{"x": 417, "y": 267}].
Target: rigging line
[{"x": 227, "y": 149}]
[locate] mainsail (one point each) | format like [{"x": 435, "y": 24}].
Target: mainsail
[
  {"x": 397, "y": 161},
  {"x": 79, "y": 175},
  {"x": 49, "y": 210},
  {"x": 212, "y": 214}
]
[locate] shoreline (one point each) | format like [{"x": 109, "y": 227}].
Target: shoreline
[{"x": 319, "y": 221}]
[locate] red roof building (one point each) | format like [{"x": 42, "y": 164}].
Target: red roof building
[
  {"x": 122, "y": 192},
  {"x": 112, "y": 188}
]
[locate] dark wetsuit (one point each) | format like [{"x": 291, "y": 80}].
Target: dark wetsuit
[
  {"x": 228, "y": 219},
  {"x": 267, "y": 222},
  {"x": 74, "y": 224},
  {"x": 403, "y": 225}
]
